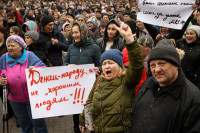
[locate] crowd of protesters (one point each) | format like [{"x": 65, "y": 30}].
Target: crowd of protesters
[{"x": 56, "y": 33}]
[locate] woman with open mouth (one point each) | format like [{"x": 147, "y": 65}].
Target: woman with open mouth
[{"x": 114, "y": 90}]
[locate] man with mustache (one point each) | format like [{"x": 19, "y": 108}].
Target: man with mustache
[{"x": 167, "y": 102}]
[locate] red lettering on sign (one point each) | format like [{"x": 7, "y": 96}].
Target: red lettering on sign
[{"x": 34, "y": 93}]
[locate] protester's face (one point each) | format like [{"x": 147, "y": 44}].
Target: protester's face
[
  {"x": 126, "y": 18},
  {"x": 165, "y": 30},
  {"x": 12, "y": 32},
  {"x": 14, "y": 49},
  {"x": 90, "y": 25},
  {"x": 49, "y": 27},
  {"x": 163, "y": 71},
  {"x": 110, "y": 69},
  {"x": 31, "y": 13},
  {"x": 56, "y": 16},
  {"x": 81, "y": 20},
  {"x": 28, "y": 40},
  {"x": 36, "y": 12},
  {"x": 190, "y": 36},
  {"x": 1, "y": 36},
  {"x": 63, "y": 16},
  {"x": 11, "y": 19},
  {"x": 119, "y": 14},
  {"x": 98, "y": 15},
  {"x": 111, "y": 31},
  {"x": 105, "y": 19},
  {"x": 76, "y": 33},
  {"x": 139, "y": 24},
  {"x": 102, "y": 30},
  {"x": 87, "y": 16},
  {"x": 68, "y": 28}
]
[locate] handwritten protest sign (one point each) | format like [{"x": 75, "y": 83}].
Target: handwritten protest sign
[
  {"x": 56, "y": 91},
  {"x": 166, "y": 13}
]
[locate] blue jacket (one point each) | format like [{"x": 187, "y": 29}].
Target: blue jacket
[
  {"x": 54, "y": 52},
  {"x": 88, "y": 53}
]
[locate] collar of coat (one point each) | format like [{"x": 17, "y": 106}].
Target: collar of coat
[{"x": 175, "y": 89}]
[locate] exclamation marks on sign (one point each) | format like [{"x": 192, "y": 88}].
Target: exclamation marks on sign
[{"x": 77, "y": 96}]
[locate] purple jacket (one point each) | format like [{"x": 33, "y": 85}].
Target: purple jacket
[{"x": 17, "y": 76}]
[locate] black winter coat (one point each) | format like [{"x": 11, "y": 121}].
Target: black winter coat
[
  {"x": 54, "y": 51},
  {"x": 191, "y": 61},
  {"x": 88, "y": 53},
  {"x": 175, "y": 109}
]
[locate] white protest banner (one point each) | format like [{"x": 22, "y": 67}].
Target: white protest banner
[
  {"x": 56, "y": 91},
  {"x": 165, "y": 13}
]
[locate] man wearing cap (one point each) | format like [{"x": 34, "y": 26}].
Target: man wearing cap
[
  {"x": 167, "y": 102},
  {"x": 57, "y": 42},
  {"x": 146, "y": 44}
]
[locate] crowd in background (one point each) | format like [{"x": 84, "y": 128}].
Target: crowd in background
[{"x": 79, "y": 32}]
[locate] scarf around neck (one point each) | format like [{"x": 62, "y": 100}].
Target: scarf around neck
[{"x": 19, "y": 60}]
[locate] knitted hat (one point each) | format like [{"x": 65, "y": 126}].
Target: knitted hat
[
  {"x": 113, "y": 54},
  {"x": 165, "y": 50},
  {"x": 46, "y": 20},
  {"x": 195, "y": 28},
  {"x": 17, "y": 39},
  {"x": 92, "y": 20},
  {"x": 145, "y": 41},
  {"x": 32, "y": 34}
]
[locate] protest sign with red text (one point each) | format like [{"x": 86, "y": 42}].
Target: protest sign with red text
[{"x": 56, "y": 91}]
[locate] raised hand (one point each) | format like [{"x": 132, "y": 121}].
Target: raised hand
[{"x": 125, "y": 31}]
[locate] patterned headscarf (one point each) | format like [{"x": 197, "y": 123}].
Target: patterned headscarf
[{"x": 83, "y": 31}]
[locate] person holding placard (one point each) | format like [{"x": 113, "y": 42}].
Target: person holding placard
[
  {"x": 113, "y": 95},
  {"x": 83, "y": 50}
]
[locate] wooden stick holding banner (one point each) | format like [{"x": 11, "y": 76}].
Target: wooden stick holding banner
[
  {"x": 56, "y": 91},
  {"x": 165, "y": 13}
]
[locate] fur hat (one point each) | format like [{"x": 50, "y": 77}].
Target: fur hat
[
  {"x": 17, "y": 39},
  {"x": 195, "y": 28},
  {"x": 32, "y": 34},
  {"x": 113, "y": 54},
  {"x": 165, "y": 50}
]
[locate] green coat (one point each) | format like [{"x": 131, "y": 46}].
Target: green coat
[{"x": 112, "y": 100}]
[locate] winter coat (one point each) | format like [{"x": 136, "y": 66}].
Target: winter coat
[
  {"x": 88, "y": 53},
  {"x": 118, "y": 41},
  {"x": 126, "y": 62},
  {"x": 173, "y": 109},
  {"x": 112, "y": 99},
  {"x": 191, "y": 60},
  {"x": 54, "y": 51},
  {"x": 96, "y": 33},
  {"x": 17, "y": 75},
  {"x": 40, "y": 49}
]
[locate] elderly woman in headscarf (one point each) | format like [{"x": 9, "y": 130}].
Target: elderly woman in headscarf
[
  {"x": 191, "y": 61},
  {"x": 13, "y": 65},
  {"x": 83, "y": 50},
  {"x": 113, "y": 92}
]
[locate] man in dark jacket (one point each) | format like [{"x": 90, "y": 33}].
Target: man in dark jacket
[
  {"x": 167, "y": 102},
  {"x": 57, "y": 42}
]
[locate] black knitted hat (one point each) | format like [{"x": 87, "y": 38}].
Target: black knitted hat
[
  {"x": 46, "y": 20},
  {"x": 165, "y": 50}
]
